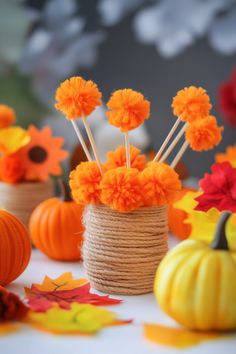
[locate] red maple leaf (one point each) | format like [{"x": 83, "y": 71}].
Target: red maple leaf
[
  {"x": 41, "y": 301},
  {"x": 219, "y": 189}
]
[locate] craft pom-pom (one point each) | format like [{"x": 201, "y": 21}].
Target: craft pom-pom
[
  {"x": 195, "y": 283},
  {"x": 15, "y": 248},
  {"x": 56, "y": 228}
]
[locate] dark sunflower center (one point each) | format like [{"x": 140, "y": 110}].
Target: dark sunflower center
[{"x": 37, "y": 154}]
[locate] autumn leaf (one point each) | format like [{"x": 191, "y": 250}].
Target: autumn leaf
[
  {"x": 8, "y": 328},
  {"x": 177, "y": 337},
  {"x": 63, "y": 282},
  {"x": 41, "y": 301},
  {"x": 80, "y": 319}
]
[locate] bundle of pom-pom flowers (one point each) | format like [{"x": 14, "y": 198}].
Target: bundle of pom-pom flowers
[{"x": 126, "y": 181}]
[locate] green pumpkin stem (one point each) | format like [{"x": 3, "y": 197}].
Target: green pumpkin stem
[
  {"x": 220, "y": 240},
  {"x": 65, "y": 191}
]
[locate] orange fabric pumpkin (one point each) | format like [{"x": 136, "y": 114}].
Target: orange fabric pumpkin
[
  {"x": 15, "y": 248},
  {"x": 177, "y": 217},
  {"x": 56, "y": 228}
]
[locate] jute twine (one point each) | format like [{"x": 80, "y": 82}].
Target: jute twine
[
  {"x": 20, "y": 199},
  {"x": 121, "y": 251}
]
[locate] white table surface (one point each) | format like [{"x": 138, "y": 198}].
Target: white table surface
[{"x": 126, "y": 339}]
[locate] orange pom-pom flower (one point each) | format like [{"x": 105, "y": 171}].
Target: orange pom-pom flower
[
  {"x": 204, "y": 134},
  {"x": 191, "y": 103},
  {"x": 11, "y": 168},
  {"x": 77, "y": 97},
  {"x": 7, "y": 116},
  {"x": 84, "y": 183},
  {"x": 121, "y": 189},
  {"x": 128, "y": 109},
  {"x": 117, "y": 158},
  {"x": 160, "y": 184}
]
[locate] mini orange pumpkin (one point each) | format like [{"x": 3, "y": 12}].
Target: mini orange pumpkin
[
  {"x": 15, "y": 248},
  {"x": 177, "y": 217},
  {"x": 56, "y": 228}
]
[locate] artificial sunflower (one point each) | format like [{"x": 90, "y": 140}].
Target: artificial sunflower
[{"x": 42, "y": 156}]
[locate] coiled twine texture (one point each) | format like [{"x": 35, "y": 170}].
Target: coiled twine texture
[{"x": 121, "y": 251}]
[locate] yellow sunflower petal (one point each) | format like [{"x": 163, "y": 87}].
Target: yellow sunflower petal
[{"x": 12, "y": 139}]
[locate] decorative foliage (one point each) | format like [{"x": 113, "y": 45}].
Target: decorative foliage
[
  {"x": 227, "y": 99},
  {"x": 7, "y": 116},
  {"x": 219, "y": 188},
  {"x": 160, "y": 184},
  {"x": 204, "y": 134},
  {"x": 117, "y": 158},
  {"x": 84, "y": 183},
  {"x": 42, "y": 155},
  {"x": 202, "y": 223},
  {"x": 77, "y": 291},
  {"x": 11, "y": 307},
  {"x": 128, "y": 109},
  {"x": 65, "y": 281},
  {"x": 80, "y": 319},
  {"x": 15, "y": 248},
  {"x": 121, "y": 189},
  {"x": 177, "y": 337},
  {"x": 229, "y": 155},
  {"x": 77, "y": 97},
  {"x": 12, "y": 139},
  {"x": 191, "y": 104}
]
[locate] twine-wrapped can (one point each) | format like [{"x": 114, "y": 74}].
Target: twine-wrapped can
[
  {"x": 20, "y": 199},
  {"x": 122, "y": 251}
]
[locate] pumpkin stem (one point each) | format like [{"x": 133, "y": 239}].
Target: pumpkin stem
[
  {"x": 65, "y": 191},
  {"x": 220, "y": 240}
]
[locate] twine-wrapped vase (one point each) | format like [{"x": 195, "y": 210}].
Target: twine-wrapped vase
[
  {"x": 121, "y": 251},
  {"x": 20, "y": 199}
]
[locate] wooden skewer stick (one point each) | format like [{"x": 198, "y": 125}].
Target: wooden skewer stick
[
  {"x": 174, "y": 143},
  {"x": 81, "y": 139},
  {"x": 179, "y": 154},
  {"x": 127, "y": 150},
  {"x": 92, "y": 142},
  {"x": 167, "y": 139}
]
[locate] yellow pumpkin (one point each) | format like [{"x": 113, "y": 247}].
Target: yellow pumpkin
[{"x": 196, "y": 283}]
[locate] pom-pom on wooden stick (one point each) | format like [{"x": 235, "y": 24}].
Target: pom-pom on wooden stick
[
  {"x": 77, "y": 98},
  {"x": 128, "y": 110},
  {"x": 190, "y": 104},
  {"x": 200, "y": 135}
]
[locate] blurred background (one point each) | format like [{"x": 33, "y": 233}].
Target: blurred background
[{"x": 156, "y": 47}]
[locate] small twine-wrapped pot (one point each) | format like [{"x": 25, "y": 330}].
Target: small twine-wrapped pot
[
  {"x": 20, "y": 199},
  {"x": 121, "y": 251}
]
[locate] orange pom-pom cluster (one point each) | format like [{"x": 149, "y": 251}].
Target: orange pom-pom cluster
[
  {"x": 191, "y": 103},
  {"x": 121, "y": 189},
  {"x": 7, "y": 116},
  {"x": 204, "y": 134},
  {"x": 128, "y": 109},
  {"x": 117, "y": 158},
  {"x": 85, "y": 183},
  {"x": 11, "y": 168},
  {"x": 160, "y": 184},
  {"x": 77, "y": 97}
]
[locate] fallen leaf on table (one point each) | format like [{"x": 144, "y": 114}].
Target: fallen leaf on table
[
  {"x": 11, "y": 307},
  {"x": 80, "y": 319},
  {"x": 42, "y": 301},
  {"x": 8, "y": 328},
  {"x": 64, "y": 282},
  {"x": 178, "y": 337}
]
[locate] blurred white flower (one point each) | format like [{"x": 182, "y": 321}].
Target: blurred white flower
[
  {"x": 112, "y": 11},
  {"x": 173, "y": 25},
  {"x": 58, "y": 48}
]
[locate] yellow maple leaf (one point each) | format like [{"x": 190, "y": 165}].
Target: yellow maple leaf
[
  {"x": 64, "y": 282},
  {"x": 81, "y": 318},
  {"x": 204, "y": 223},
  {"x": 12, "y": 139}
]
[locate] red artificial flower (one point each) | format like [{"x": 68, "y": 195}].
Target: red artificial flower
[
  {"x": 227, "y": 99},
  {"x": 219, "y": 189}
]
